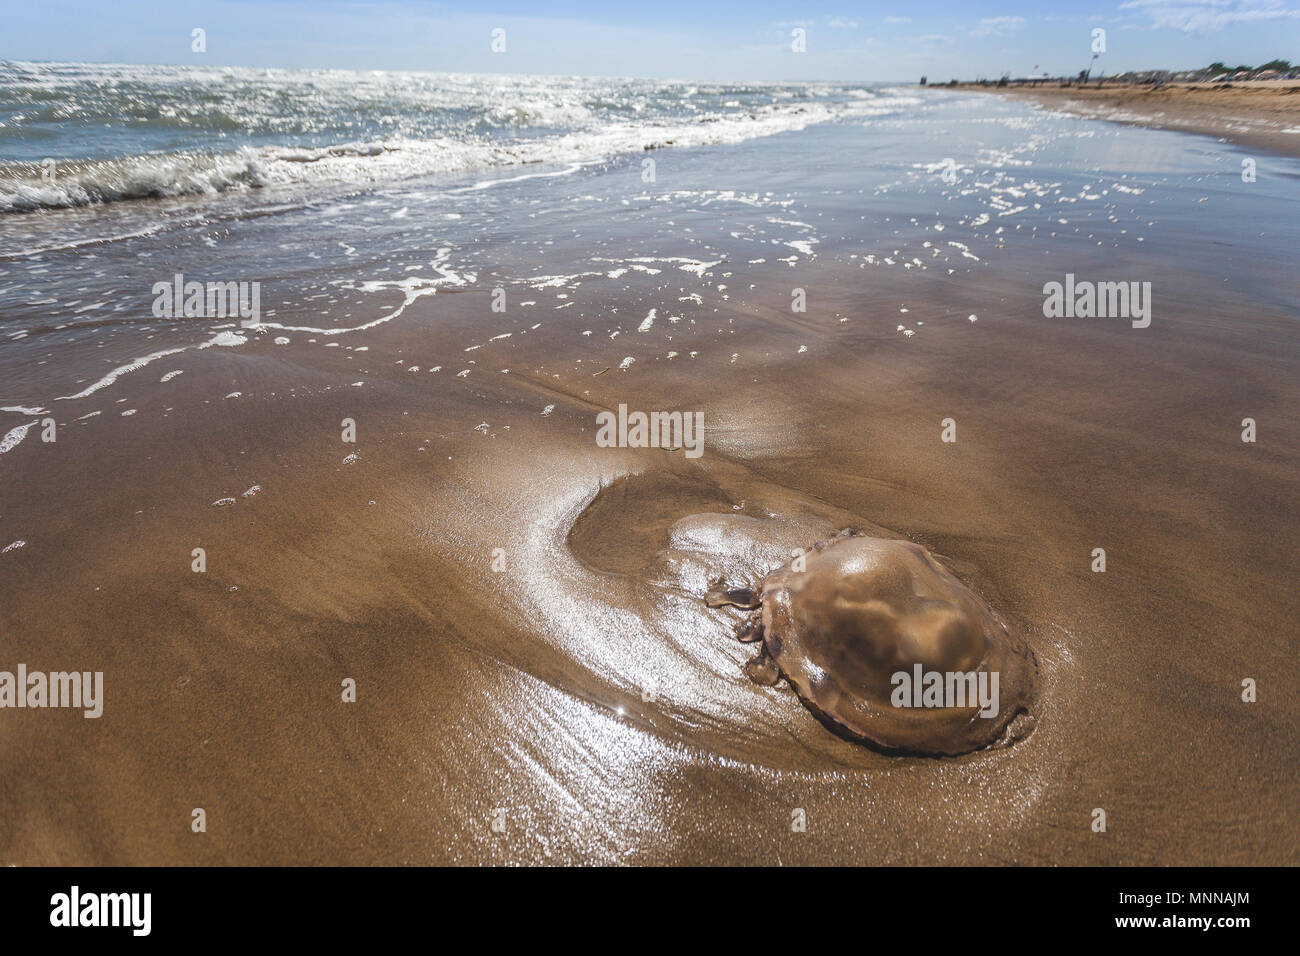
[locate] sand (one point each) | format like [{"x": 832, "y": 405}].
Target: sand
[
  {"x": 481, "y": 691},
  {"x": 538, "y": 680},
  {"x": 1260, "y": 115}
]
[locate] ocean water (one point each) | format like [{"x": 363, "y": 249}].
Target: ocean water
[
  {"x": 350, "y": 196},
  {"x": 126, "y": 132}
]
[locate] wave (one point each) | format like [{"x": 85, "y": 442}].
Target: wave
[
  {"x": 25, "y": 187},
  {"x": 29, "y": 186}
]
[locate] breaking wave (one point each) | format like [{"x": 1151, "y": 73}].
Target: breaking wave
[{"x": 256, "y": 129}]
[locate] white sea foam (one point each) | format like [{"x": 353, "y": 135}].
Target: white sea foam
[
  {"x": 411, "y": 124},
  {"x": 694, "y": 266},
  {"x": 13, "y": 437},
  {"x": 225, "y": 339},
  {"x": 412, "y": 287}
]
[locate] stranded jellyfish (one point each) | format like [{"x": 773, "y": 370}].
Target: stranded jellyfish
[{"x": 887, "y": 647}]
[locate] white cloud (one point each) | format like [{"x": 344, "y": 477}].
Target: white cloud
[
  {"x": 842, "y": 23},
  {"x": 897, "y": 20},
  {"x": 997, "y": 26},
  {"x": 1204, "y": 16}
]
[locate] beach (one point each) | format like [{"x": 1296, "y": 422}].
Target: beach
[
  {"x": 519, "y": 609},
  {"x": 1263, "y": 114}
]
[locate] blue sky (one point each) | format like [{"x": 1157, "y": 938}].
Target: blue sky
[{"x": 662, "y": 38}]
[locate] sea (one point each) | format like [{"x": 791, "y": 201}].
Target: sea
[{"x": 346, "y": 196}]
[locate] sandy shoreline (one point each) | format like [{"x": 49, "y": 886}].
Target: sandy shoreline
[
  {"x": 1256, "y": 115},
  {"x": 482, "y": 690},
  {"x": 581, "y": 693}
]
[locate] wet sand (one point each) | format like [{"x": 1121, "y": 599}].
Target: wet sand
[
  {"x": 478, "y": 690},
  {"x": 582, "y": 696},
  {"x": 1260, "y": 115}
]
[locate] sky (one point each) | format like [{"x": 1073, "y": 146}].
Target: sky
[{"x": 731, "y": 40}]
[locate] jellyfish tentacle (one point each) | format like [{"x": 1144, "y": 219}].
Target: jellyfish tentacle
[
  {"x": 750, "y": 630},
  {"x": 719, "y": 595},
  {"x": 761, "y": 669}
]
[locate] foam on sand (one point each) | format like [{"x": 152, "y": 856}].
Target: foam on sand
[
  {"x": 13, "y": 437},
  {"x": 225, "y": 339}
]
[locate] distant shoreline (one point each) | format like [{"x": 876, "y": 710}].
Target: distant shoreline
[{"x": 1253, "y": 113}]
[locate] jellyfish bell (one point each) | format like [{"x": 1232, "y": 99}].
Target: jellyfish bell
[{"x": 888, "y": 647}]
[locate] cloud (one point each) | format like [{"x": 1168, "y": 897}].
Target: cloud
[
  {"x": 1205, "y": 16},
  {"x": 897, "y": 20},
  {"x": 842, "y": 23},
  {"x": 998, "y": 26},
  {"x": 934, "y": 38}
]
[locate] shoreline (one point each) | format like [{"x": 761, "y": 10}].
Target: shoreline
[
  {"x": 476, "y": 688},
  {"x": 1254, "y": 115},
  {"x": 399, "y": 496}
]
